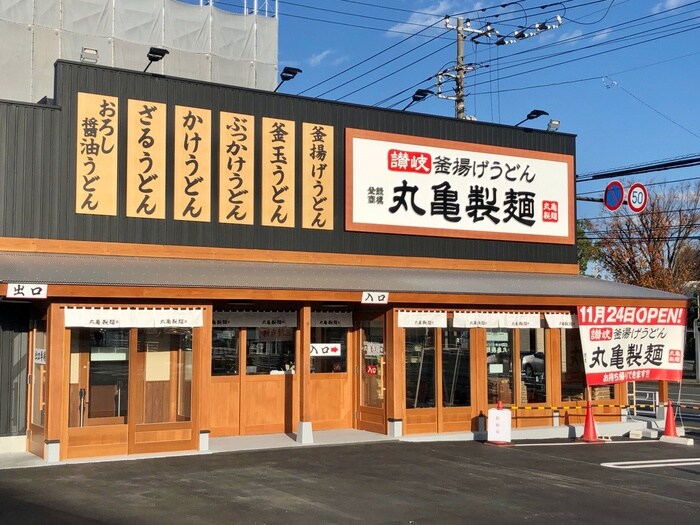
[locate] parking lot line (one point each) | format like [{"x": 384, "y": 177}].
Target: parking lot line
[{"x": 653, "y": 463}]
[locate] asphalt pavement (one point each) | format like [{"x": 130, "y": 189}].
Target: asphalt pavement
[{"x": 382, "y": 483}]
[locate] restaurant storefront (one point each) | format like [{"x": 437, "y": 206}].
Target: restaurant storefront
[{"x": 206, "y": 261}]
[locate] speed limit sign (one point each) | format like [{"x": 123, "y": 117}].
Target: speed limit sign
[{"x": 637, "y": 197}]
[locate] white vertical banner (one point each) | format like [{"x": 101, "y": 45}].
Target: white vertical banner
[
  {"x": 255, "y": 319},
  {"x": 411, "y": 319},
  {"x": 132, "y": 317},
  {"x": 496, "y": 320},
  {"x": 561, "y": 320},
  {"x": 331, "y": 319},
  {"x": 522, "y": 320}
]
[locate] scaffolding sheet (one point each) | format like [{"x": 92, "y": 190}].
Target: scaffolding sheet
[{"x": 205, "y": 42}]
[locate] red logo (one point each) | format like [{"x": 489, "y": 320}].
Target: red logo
[
  {"x": 675, "y": 356},
  {"x": 550, "y": 211},
  {"x": 409, "y": 161},
  {"x": 371, "y": 370},
  {"x": 601, "y": 334}
]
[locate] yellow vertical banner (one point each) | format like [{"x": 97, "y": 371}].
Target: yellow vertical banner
[
  {"x": 317, "y": 176},
  {"x": 236, "y": 153},
  {"x": 96, "y": 154},
  {"x": 192, "y": 166},
  {"x": 278, "y": 173},
  {"x": 145, "y": 162}
]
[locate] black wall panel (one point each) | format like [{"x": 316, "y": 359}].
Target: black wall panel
[
  {"x": 37, "y": 167},
  {"x": 14, "y": 329}
]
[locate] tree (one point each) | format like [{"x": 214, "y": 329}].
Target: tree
[
  {"x": 656, "y": 248},
  {"x": 584, "y": 246}
]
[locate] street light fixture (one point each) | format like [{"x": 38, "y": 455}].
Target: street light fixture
[
  {"x": 288, "y": 73},
  {"x": 535, "y": 113},
  {"x": 419, "y": 96},
  {"x": 155, "y": 54}
]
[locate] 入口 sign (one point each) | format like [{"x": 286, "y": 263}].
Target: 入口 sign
[{"x": 326, "y": 349}]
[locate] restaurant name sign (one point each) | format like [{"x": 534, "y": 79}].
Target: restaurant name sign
[{"x": 404, "y": 184}]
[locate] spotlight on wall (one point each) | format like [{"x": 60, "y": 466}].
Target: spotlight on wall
[
  {"x": 553, "y": 125},
  {"x": 155, "y": 54},
  {"x": 89, "y": 55},
  {"x": 288, "y": 73}
]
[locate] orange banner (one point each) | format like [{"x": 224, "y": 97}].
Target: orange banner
[
  {"x": 317, "y": 177},
  {"x": 145, "y": 162},
  {"x": 192, "y": 168},
  {"x": 236, "y": 175},
  {"x": 278, "y": 173},
  {"x": 96, "y": 155}
]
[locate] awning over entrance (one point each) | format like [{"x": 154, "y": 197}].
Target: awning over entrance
[{"x": 16, "y": 267}]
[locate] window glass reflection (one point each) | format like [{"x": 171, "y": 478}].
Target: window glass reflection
[
  {"x": 533, "y": 387},
  {"x": 420, "y": 367},
  {"x": 333, "y": 336},
  {"x": 270, "y": 350},
  {"x": 573, "y": 376},
  {"x": 499, "y": 364},
  {"x": 456, "y": 373},
  {"x": 224, "y": 351}
]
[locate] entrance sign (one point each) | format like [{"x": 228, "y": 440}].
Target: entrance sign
[
  {"x": 375, "y": 297},
  {"x": 637, "y": 197},
  {"x": 326, "y": 349},
  {"x": 614, "y": 195},
  {"x": 630, "y": 343}
]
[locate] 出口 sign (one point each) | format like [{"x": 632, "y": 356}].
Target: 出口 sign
[
  {"x": 629, "y": 343},
  {"x": 403, "y": 184}
]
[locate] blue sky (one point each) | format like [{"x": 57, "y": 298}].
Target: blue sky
[{"x": 622, "y": 75}]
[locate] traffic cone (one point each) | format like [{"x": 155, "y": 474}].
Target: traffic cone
[
  {"x": 590, "y": 434},
  {"x": 670, "y": 429}
]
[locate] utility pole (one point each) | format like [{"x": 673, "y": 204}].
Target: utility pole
[
  {"x": 459, "y": 80},
  {"x": 481, "y": 36}
]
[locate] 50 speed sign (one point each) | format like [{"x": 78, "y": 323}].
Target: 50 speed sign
[{"x": 637, "y": 197}]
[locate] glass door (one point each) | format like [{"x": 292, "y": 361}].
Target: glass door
[
  {"x": 372, "y": 388},
  {"x": 99, "y": 377},
  {"x": 162, "y": 386}
]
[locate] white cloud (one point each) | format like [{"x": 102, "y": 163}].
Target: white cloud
[
  {"x": 668, "y": 4},
  {"x": 425, "y": 17},
  {"x": 317, "y": 58},
  {"x": 602, "y": 35},
  {"x": 325, "y": 58},
  {"x": 571, "y": 35}
]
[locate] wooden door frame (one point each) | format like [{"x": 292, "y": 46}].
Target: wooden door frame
[
  {"x": 361, "y": 317},
  {"x": 35, "y": 432}
]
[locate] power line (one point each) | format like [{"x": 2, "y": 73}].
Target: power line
[
  {"x": 675, "y": 163},
  {"x": 631, "y": 23},
  {"x": 647, "y": 184},
  {"x": 410, "y": 35}
]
